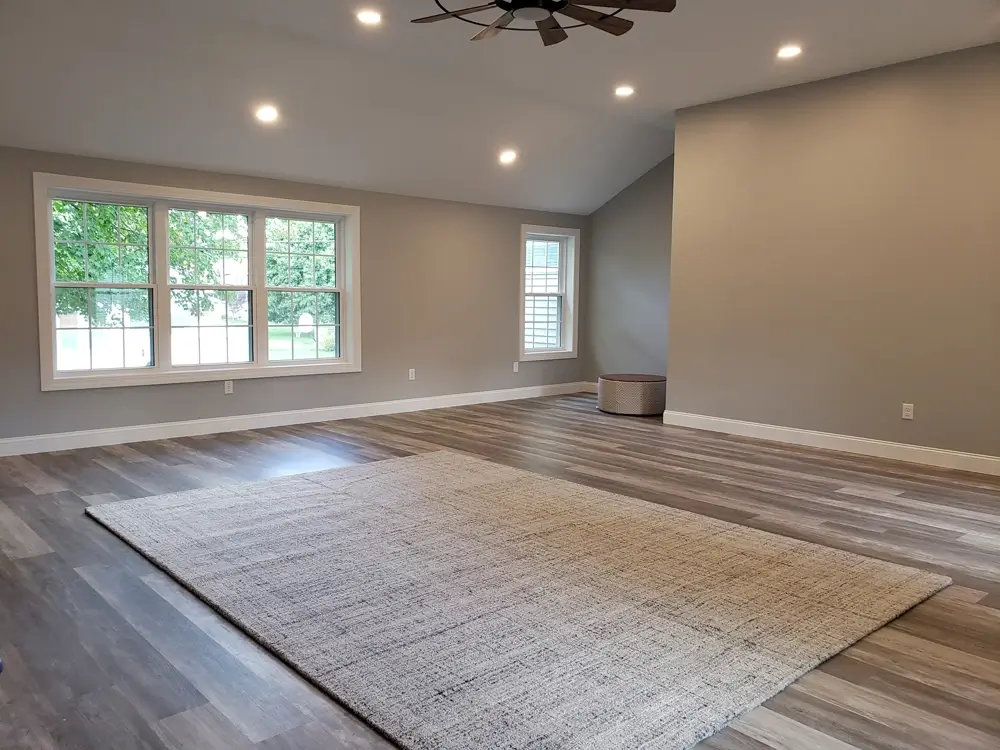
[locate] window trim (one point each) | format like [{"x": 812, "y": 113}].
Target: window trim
[
  {"x": 570, "y": 268},
  {"x": 51, "y": 186}
]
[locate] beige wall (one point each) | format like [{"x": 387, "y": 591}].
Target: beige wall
[
  {"x": 440, "y": 285},
  {"x": 628, "y": 278},
  {"x": 836, "y": 252}
]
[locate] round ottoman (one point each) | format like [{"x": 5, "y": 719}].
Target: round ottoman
[{"x": 632, "y": 394}]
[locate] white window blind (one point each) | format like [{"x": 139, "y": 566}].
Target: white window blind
[
  {"x": 548, "y": 286},
  {"x": 544, "y": 293}
]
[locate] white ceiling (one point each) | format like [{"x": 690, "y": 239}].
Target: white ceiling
[{"x": 420, "y": 110}]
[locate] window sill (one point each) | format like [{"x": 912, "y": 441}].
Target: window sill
[
  {"x": 537, "y": 356},
  {"x": 193, "y": 375}
]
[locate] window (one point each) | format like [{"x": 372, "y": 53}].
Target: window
[
  {"x": 303, "y": 300},
  {"x": 141, "y": 284},
  {"x": 102, "y": 295},
  {"x": 210, "y": 293},
  {"x": 549, "y": 283}
]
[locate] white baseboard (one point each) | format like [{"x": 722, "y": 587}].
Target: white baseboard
[
  {"x": 588, "y": 387},
  {"x": 115, "y": 435},
  {"x": 916, "y": 454}
]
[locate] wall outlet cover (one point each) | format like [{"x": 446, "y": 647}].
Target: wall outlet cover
[
  {"x": 413, "y": 374},
  {"x": 907, "y": 411},
  {"x": 227, "y": 387}
]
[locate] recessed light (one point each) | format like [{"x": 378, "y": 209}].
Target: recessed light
[
  {"x": 789, "y": 51},
  {"x": 369, "y": 17},
  {"x": 266, "y": 113},
  {"x": 624, "y": 91},
  {"x": 508, "y": 156}
]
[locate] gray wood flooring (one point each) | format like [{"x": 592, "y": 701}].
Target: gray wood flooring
[{"x": 101, "y": 650}]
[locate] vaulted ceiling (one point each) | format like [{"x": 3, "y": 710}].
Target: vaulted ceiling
[{"x": 419, "y": 109}]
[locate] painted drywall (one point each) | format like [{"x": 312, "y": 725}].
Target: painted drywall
[
  {"x": 628, "y": 278},
  {"x": 440, "y": 293},
  {"x": 836, "y": 252}
]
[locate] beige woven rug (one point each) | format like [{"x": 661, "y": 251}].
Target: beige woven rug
[{"x": 456, "y": 603}]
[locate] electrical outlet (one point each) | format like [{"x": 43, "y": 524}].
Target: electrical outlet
[
  {"x": 413, "y": 374},
  {"x": 227, "y": 387},
  {"x": 516, "y": 364},
  {"x": 907, "y": 411}
]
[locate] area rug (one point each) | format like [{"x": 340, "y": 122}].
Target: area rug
[{"x": 459, "y": 604}]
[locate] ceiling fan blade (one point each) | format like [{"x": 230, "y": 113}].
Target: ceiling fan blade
[
  {"x": 453, "y": 14},
  {"x": 610, "y": 24},
  {"x": 551, "y": 32},
  {"x": 661, "y": 6},
  {"x": 495, "y": 28}
]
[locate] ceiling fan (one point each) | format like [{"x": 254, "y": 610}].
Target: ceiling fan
[{"x": 543, "y": 14}]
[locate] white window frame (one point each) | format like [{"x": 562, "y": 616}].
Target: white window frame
[
  {"x": 49, "y": 187},
  {"x": 569, "y": 266}
]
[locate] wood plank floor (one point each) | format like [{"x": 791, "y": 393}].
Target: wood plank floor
[{"x": 101, "y": 650}]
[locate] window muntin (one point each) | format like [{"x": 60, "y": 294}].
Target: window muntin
[
  {"x": 102, "y": 295},
  {"x": 303, "y": 298},
  {"x": 210, "y": 294}
]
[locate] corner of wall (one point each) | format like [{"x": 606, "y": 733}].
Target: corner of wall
[{"x": 627, "y": 279}]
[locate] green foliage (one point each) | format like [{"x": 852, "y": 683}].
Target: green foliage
[
  {"x": 108, "y": 243},
  {"x": 106, "y": 308},
  {"x": 328, "y": 346},
  {"x": 298, "y": 236},
  {"x": 295, "y": 270},
  {"x": 206, "y": 248},
  {"x": 237, "y": 308},
  {"x": 283, "y": 344},
  {"x": 287, "y": 308},
  {"x": 301, "y": 254},
  {"x": 101, "y": 242},
  {"x": 70, "y": 301}
]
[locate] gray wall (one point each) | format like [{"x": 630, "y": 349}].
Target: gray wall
[
  {"x": 628, "y": 278},
  {"x": 836, "y": 252},
  {"x": 440, "y": 286}
]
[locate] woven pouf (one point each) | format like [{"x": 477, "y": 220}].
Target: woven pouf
[{"x": 632, "y": 394}]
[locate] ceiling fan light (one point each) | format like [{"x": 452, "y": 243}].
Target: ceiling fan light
[
  {"x": 369, "y": 17},
  {"x": 266, "y": 113},
  {"x": 531, "y": 14}
]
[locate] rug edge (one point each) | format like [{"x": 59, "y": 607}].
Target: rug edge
[
  {"x": 940, "y": 584},
  {"x": 94, "y": 510},
  {"x": 248, "y": 632}
]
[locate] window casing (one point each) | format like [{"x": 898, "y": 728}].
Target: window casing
[
  {"x": 550, "y": 264},
  {"x": 140, "y": 284}
]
